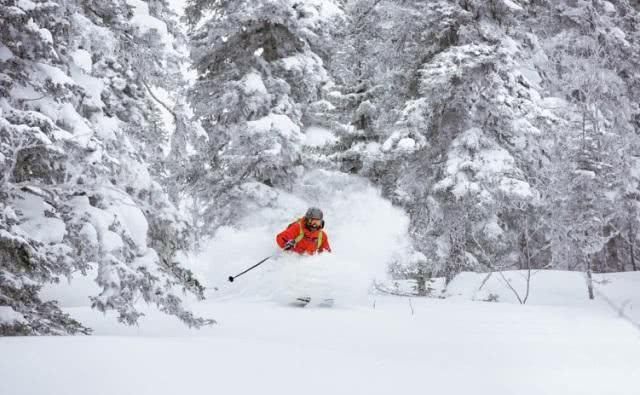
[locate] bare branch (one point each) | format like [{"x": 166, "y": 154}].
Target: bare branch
[
  {"x": 165, "y": 106},
  {"x": 499, "y": 271}
]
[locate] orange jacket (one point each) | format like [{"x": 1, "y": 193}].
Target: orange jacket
[{"x": 308, "y": 244}]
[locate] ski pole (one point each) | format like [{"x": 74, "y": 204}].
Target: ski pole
[{"x": 231, "y": 278}]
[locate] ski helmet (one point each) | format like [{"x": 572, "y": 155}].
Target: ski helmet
[{"x": 313, "y": 213}]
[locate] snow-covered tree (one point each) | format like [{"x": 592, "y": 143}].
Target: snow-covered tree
[
  {"x": 593, "y": 155},
  {"x": 79, "y": 149},
  {"x": 479, "y": 139},
  {"x": 259, "y": 65}
]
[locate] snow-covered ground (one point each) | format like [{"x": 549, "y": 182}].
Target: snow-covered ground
[
  {"x": 400, "y": 346},
  {"x": 549, "y": 287}
]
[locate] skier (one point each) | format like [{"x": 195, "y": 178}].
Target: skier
[{"x": 305, "y": 235}]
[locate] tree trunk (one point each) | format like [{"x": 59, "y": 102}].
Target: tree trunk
[
  {"x": 528, "y": 261},
  {"x": 633, "y": 258},
  {"x": 421, "y": 287},
  {"x": 589, "y": 278}
]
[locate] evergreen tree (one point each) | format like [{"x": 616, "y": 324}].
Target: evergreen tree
[
  {"x": 482, "y": 135},
  {"x": 259, "y": 65},
  {"x": 79, "y": 191}
]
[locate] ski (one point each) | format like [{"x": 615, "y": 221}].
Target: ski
[{"x": 301, "y": 301}]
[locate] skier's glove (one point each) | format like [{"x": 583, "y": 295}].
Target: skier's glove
[{"x": 290, "y": 244}]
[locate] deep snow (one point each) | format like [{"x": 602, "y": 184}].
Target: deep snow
[{"x": 426, "y": 346}]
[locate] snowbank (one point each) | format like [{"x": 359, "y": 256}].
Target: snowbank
[{"x": 614, "y": 292}]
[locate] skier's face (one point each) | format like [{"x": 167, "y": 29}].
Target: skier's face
[{"x": 314, "y": 224}]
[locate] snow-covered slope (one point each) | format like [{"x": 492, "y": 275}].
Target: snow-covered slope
[{"x": 400, "y": 346}]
